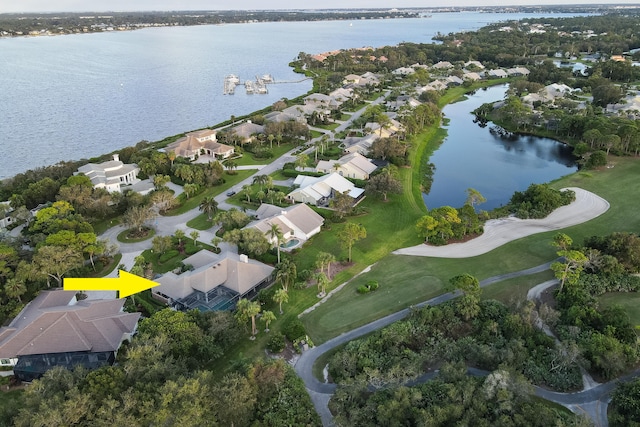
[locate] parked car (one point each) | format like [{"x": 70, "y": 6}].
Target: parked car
[{"x": 230, "y": 193}]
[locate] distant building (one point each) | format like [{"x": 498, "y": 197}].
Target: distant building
[
  {"x": 111, "y": 175},
  {"x": 57, "y": 330}
]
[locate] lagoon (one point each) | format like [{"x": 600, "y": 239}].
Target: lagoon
[{"x": 472, "y": 157}]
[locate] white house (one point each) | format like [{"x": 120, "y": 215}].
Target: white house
[
  {"x": 360, "y": 145},
  {"x": 111, "y": 175},
  {"x": 297, "y": 223},
  {"x": 320, "y": 190},
  {"x": 352, "y": 165}
]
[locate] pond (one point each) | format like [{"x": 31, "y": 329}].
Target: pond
[{"x": 473, "y": 157}]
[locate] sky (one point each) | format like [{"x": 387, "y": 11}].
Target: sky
[{"x": 143, "y": 5}]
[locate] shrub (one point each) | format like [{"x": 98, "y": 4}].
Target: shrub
[
  {"x": 372, "y": 285},
  {"x": 167, "y": 256},
  {"x": 294, "y": 329},
  {"x": 276, "y": 343},
  {"x": 363, "y": 289}
]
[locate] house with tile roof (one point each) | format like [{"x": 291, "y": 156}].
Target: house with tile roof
[
  {"x": 202, "y": 142},
  {"x": 297, "y": 223},
  {"x": 246, "y": 131},
  {"x": 55, "y": 329},
  {"x": 216, "y": 282},
  {"x": 352, "y": 165},
  {"x": 112, "y": 175},
  {"x": 319, "y": 191},
  {"x": 359, "y": 144}
]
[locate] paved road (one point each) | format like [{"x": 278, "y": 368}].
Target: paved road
[{"x": 592, "y": 402}]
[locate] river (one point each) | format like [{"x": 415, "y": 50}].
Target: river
[
  {"x": 78, "y": 96},
  {"x": 471, "y": 156}
]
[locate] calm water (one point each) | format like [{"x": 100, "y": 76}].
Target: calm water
[
  {"x": 471, "y": 156},
  {"x": 72, "y": 97}
]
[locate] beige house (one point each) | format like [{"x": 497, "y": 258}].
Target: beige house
[
  {"x": 202, "y": 142},
  {"x": 352, "y": 165},
  {"x": 215, "y": 283},
  {"x": 246, "y": 131},
  {"x": 320, "y": 190},
  {"x": 297, "y": 223},
  {"x": 111, "y": 175},
  {"x": 55, "y": 329}
]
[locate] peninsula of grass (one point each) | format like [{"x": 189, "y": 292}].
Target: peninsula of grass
[
  {"x": 123, "y": 237},
  {"x": 201, "y": 222}
]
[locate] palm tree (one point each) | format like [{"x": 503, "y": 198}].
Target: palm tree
[
  {"x": 281, "y": 296},
  {"x": 231, "y": 165},
  {"x": 179, "y": 234},
  {"x": 274, "y": 233},
  {"x": 271, "y": 137},
  {"x": 324, "y": 259},
  {"x": 261, "y": 180},
  {"x": 286, "y": 272},
  {"x": 279, "y": 138},
  {"x": 15, "y": 288},
  {"x": 194, "y": 235},
  {"x": 322, "y": 281},
  {"x": 267, "y": 317},
  {"x": 209, "y": 206},
  {"x": 248, "y": 310},
  {"x": 246, "y": 189},
  {"x": 171, "y": 155}
]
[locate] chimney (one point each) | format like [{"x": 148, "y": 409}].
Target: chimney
[
  {"x": 244, "y": 258},
  {"x": 116, "y": 157}
]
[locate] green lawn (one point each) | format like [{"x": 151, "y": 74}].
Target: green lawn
[
  {"x": 122, "y": 237},
  {"x": 201, "y": 222},
  {"x": 194, "y": 202},
  {"x": 248, "y": 159},
  {"x": 343, "y": 311},
  {"x": 515, "y": 290},
  {"x": 629, "y": 301}
]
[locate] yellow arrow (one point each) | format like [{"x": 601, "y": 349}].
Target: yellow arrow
[{"x": 127, "y": 284}]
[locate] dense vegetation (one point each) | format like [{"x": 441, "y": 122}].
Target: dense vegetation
[
  {"x": 453, "y": 398},
  {"x": 163, "y": 379},
  {"x": 486, "y": 335},
  {"x": 537, "y": 201}
]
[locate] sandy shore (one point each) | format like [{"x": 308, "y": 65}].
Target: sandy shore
[{"x": 497, "y": 232}]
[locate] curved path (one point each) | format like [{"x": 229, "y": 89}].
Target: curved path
[
  {"x": 592, "y": 402},
  {"x": 498, "y": 232}
]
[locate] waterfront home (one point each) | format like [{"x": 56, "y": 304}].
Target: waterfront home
[
  {"x": 55, "y": 329},
  {"x": 319, "y": 191},
  {"x": 214, "y": 281},
  {"x": 342, "y": 95},
  {"x": 321, "y": 101},
  {"x": 518, "y": 72},
  {"x": 497, "y": 73},
  {"x": 297, "y": 223},
  {"x": 352, "y": 165},
  {"x": 474, "y": 77},
  {"x": 5, "y": 215},
  {"x": 112, "y": 175},
  {"x": 453, "y": 81},
  {"x": 202, "y": 142},
  {"x": 247, "y": 131}
]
